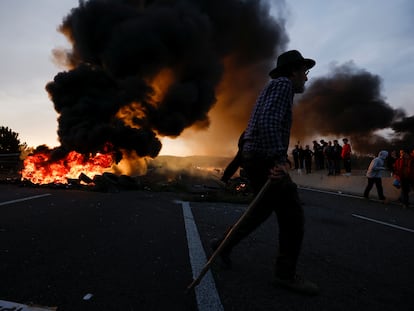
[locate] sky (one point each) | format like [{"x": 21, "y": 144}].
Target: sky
[{"x": 375, "y": 35}]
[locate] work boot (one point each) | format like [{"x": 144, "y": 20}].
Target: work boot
[
  {"x": 224, "y": 256},
  {"x": 298, "y": 285}
]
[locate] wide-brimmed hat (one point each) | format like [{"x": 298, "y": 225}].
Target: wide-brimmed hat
[{"x": 290, "y": 58}]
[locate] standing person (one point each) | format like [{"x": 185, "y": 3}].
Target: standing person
[
  {"x": 404, "y": 172},
  {"x": 318, "y": 155},
  {"x": 301, "y": 159},
  {"x": 307, "y": 155},
  {"x": 264, "y": 156},
  {"x": 374, "y": 172},
  {"x": 323, "y": 160},
  {"x": 346, "y": 156},
  {"x": 337, "y": 155},
  {"x": 295, "y": 154},
  {"x": 330, "y": 161}
]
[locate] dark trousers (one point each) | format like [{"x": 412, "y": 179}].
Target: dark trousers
[
  {"x": 378, "y": 184},
  {"x": 347, "y": 165},
  {"x": 330, "y": 164},
  {"x": 337, "y": 166},
  {"x": 283, "y": 199},
  {"x": 296, "y": 161},
  {"x": 308, "y": 166},
  {"x": 405, "y": 191}
]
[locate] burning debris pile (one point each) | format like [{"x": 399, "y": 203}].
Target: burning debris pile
[
  {"x": 198, "y": 177},
  {"x": 42, "y": 168}
]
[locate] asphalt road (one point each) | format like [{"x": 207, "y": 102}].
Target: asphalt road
[{"x": 131, "y": 251}]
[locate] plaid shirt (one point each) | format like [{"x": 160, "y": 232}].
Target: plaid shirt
[{"x": 268, "y": 130}]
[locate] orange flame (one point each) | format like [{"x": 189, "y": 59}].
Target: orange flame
[
  {"x": 135, "y": 110},
  {"x": 129, "y": 112},
  {"x": 160, "y": 84},
  {"x": 39, "y": 170}
]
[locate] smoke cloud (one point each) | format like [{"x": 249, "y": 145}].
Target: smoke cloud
[
  {"x": 141, "y": 70},
  {"x": 348, "y": 103}
]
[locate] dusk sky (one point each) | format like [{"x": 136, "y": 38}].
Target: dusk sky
[{"x": 376, "y": 36}]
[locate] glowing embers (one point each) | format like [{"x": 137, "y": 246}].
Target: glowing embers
[
  {"x": 39, "y": 169},
  {"x": 241, "y": 187}
]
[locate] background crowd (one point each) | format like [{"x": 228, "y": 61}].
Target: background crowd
[
  {"x": 335, "y": 158},
  {"x": 324, "y": 154}
]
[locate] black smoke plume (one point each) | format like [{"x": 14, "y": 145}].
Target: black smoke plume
[
  {"x": 140, "y": 70},
  {"x": 348, "y": 103}
]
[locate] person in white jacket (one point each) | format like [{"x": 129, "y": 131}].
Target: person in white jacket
[{"x": 374, "y": 174}]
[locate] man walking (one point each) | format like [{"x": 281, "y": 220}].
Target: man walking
[
  {"x": 266, "y": 142},
  {"x": 374, "y": 175}
]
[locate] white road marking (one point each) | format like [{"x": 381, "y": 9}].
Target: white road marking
[
  {"x": 9, "y": 305},
  {"x": 25, "y": 199},
  {"x": 331, "y": 192},
  {"x": 384, "y": 223},
  {"x": 206, "y": 292}
]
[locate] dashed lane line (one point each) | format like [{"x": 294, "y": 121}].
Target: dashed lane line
[
  {"x": 25, "y": 199},
  {"x": 206, "y": 292},
  {"x": 14, "y": 306},
  {"x": 355, "y": 215},
  {"x": 330, "y": 192},
  {"x": 383, "y": 223}
]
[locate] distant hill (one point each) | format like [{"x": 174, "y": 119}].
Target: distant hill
[{"x": 190, "y": 161}]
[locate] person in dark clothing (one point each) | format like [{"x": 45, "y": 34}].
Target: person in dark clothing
[
  {"x": 307, "y": 155},
  {"x": 295, "y": 154},
  {"x": 336, "y": 155},
  {"x": 264, "y": 153},
  {"x": 234, "y": 165},
  {"x": 301, "y": 158},
  {"x": 323, "y": 159},
  {"x": 318, "y": 155},
  {"x": 329, "y": 156}
]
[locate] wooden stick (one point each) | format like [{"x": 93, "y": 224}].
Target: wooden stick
[{"x": 226, "y": 239}]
